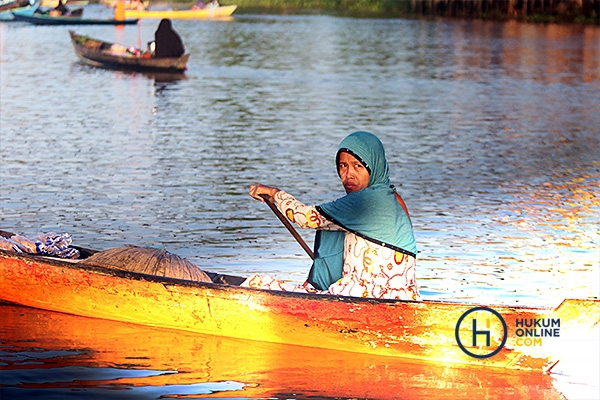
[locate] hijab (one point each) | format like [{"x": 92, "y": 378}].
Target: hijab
[
  {"x": 373, "y": 213},
  {"x": 168, "y": 42}
]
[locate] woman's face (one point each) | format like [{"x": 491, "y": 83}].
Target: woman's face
[{"x": 353, "y": 174}]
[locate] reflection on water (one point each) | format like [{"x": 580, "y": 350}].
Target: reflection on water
[
  {"x": 491, "y": 129},
  {"x": 161, "y": 79}
]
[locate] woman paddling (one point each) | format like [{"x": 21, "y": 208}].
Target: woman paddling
[{"x": 365, "y": 245}]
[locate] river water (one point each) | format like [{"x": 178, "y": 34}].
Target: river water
[{"x": 492, "y": 131}]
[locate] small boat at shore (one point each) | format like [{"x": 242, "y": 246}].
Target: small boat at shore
[
  {"x": 426, "y": 331},
  {"x": 74, "y": 19},
  {"x": 205, "y": 13},
  {"x": 102, "y": 54},
  {"x": 7, "y": 15},
  {"x": 8, "y": 4},
  {"x": 25, "y": 7}
]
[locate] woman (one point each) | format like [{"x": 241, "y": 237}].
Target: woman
[
  {"x": 168, "y": 43},
  {"x": 365, "y": 245},
  {"x": 60, "y": 10}
]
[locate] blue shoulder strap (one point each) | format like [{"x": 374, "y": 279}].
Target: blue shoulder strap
[{"x": 328, "y": 264}]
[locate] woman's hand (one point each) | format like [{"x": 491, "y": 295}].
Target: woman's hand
[{"x": 257, "y": 189}]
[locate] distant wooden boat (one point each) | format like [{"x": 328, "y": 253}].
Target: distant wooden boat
[
  {"x": 113, "y": 56},
  {"x": 425, "y": 330},
  {"x": 206, "y": 13},
  {"x": 7, "y": 14},
  {"x": 8, "y": 4},
  {"x": 46, "y": 19}
]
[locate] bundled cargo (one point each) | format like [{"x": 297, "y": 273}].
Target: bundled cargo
[{"x": 47, "y": 244}]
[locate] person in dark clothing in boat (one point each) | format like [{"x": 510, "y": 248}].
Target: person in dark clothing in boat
[
  {"x": 168, "y": 42},
  {"x": 61, "y": 9}
]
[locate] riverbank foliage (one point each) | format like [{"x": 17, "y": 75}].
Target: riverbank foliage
[{"x": 577, "y": 11}]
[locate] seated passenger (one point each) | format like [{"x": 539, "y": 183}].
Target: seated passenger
[
  {"x": 199, "y": 5},
  {"x": 365, "y": 245},
  {"x": 168, "y": 42},
  {"x": 119, "y": 10},
  {"x": 60, "y": 10}
]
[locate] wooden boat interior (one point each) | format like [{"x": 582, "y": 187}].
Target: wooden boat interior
[{"x": 85, "y": 253}]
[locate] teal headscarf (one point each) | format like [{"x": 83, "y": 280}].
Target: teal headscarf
[{"x": 373, "y": 213}]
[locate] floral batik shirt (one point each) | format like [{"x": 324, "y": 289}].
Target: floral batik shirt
[{"x": 370, "y": 270}]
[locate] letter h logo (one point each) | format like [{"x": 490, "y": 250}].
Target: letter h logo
[
  {"x": 481, "y": 352},
  {"x": 476, "y": 332}
]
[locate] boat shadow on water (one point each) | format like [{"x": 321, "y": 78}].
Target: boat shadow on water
[
  {"x": 165, "y": 77},
  {"x": 158, "y": 77}
]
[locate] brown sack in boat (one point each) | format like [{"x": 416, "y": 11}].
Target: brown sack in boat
[{"x": 148, "y": 261}]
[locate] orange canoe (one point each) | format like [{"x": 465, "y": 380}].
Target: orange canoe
[{"x": 443, "y": 332}]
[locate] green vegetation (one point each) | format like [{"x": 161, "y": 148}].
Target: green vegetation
[
  {"x": 376, "y": 8},
  {"x": 576, "y": 11}
]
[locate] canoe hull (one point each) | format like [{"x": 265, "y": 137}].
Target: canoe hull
[
  {"x": 207, "y": 13},
  {"x": 43, "y": 19},
  {"x": 417, "y": 330},
  {"x": 98, "y": 57}
]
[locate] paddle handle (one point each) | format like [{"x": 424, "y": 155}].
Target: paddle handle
[{"x": 287, "y": 224}]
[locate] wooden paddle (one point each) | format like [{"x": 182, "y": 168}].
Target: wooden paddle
[{"x": 288, "y": 225}]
